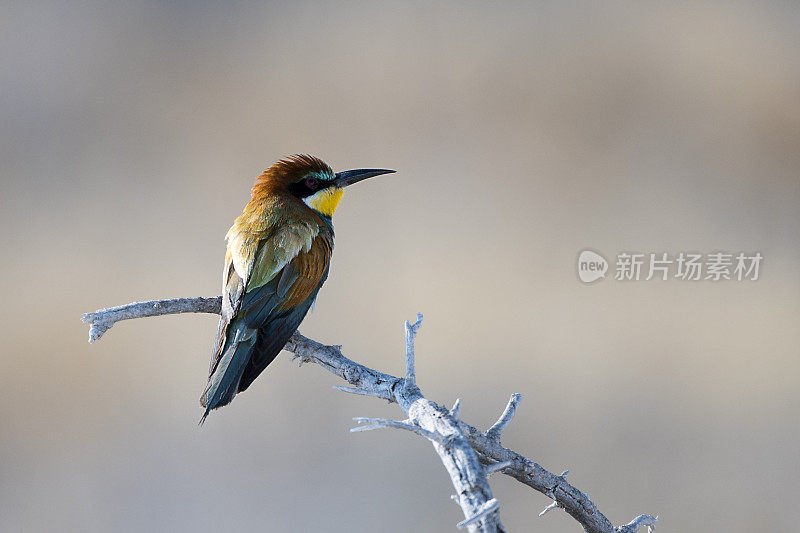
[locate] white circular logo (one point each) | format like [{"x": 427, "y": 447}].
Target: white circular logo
[{"x": 591, "y": 266}]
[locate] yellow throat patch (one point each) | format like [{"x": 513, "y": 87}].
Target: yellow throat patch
[{"x": 325, "y": 201}]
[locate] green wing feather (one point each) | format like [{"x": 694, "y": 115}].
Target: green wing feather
[{"x": 259, "y": 315}]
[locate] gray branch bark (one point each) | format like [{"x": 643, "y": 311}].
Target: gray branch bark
[{"x": 468, "y": 454}]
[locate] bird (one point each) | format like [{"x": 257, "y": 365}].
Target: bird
[{"x": 278, "y": 256}]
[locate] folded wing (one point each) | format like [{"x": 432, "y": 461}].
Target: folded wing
[{"x": 283, "y": 275}]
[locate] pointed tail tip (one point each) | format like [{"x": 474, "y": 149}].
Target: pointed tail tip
[{"x": 204, "y": 404}]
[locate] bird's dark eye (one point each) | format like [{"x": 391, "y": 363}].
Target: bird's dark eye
[{"x": 306, "y": 187}]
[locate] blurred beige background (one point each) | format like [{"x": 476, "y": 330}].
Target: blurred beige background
[{"x": 522, "y": 133}]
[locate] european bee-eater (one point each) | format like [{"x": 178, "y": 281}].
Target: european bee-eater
[{"x": 279, "y": 253}]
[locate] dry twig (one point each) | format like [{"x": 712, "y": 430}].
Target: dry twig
[{"x": 463, "y": 449}]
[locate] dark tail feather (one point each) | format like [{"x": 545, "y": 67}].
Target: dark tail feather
[{"x": 224, "y": 382}]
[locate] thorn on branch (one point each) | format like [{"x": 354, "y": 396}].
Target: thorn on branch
[
  {"x": 492, "y": 468},
  {"x": 456, "y": 410},
  {"x": 550, "y": 508},
  {"x": 640, "y": 521},
  {"x": 489, "y": 507},
  {"x": 411, "y": 335},
  {"x": 380, "y": 423},
  {"x": 353, "y": 390},
  {"x": 496, "y": 430},
  {"x": 302, "y": 359}
]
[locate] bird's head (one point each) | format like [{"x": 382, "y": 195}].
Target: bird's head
[{"x": 312, "y": 181}]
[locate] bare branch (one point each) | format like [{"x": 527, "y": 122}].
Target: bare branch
[
  {"x": 103, "y": 319},
  {"x": 422, "y": 412},
  {"x": 496, "y": 430},
  {"x": 459, "y": 459},
  {"x": 411, "y": 335}
]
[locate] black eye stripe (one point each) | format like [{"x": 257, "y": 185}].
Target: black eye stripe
[{"x": 306, "y": 187}]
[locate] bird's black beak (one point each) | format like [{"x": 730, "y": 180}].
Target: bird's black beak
[{"x": 349, "y": 177}]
